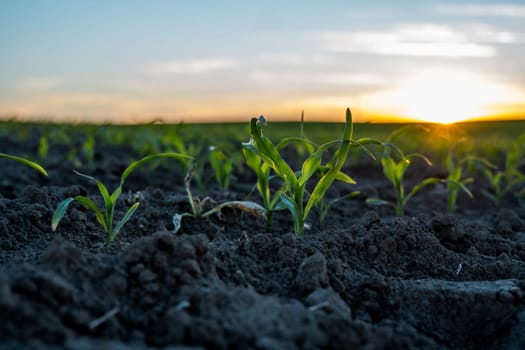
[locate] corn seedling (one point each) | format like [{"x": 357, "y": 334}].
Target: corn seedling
[
  {"x": 511, "y": 179},
  {"x": 292, "y": 196},
  {"x": 455, "y": 180},
  {"x": 194, "y": 150},
  {"x": 222, "y": 166},
  {"x": 43, "y": 146},
  {"x": 88, "y": 147},
  {"x": 303, "y": 147},
  {"x": 105, "y": 216},
  {"x": 395, "y": 173},
  {"x": 394, "y": 170},
  {"x": 262, "y": 171},
  {"x": 56, "y": 134},
  {"x": 200, "y": 209},
  {"x": 24, "y": 161}
]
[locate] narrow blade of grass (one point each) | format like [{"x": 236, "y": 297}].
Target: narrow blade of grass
[
  {"x": 325, "y": 181},
  {"x": 60, "y": 211},
  {"x": 129, "y": 214},
  {"x": 138, "y": 163},
  {"x": 25, "y": 161}
]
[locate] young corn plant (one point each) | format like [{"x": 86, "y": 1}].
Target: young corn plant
[
  {"x": 43, "y": 145},
  {"x": 203, "y": 209},
  {"x": 510, "y": 179},
  {"x": 262, "y": 170},
  {"x": 105, "y": 215},
  {"x": 394, "y": 170},
  {"x": 24, "y": 161},
  {"x": 395, "y": 173},
  {"x": 222, "y": 167},
  {"x": 455, "y": 180},
  {"x": 88, "y": 147},
  {"x": 293, "y": 194}
]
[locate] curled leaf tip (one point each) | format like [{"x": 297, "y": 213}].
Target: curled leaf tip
[{"x": 261, "y": 120}]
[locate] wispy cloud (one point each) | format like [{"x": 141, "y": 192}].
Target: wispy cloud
[
  {"x": 420, "y": 40},
  {"x": 293, "y": 59},
  {"x": 40, "y": 83},
  {"x": 482, "y": 10},
  {"x": 192, "y": 66},
  {"x": 308, "y": 77}
]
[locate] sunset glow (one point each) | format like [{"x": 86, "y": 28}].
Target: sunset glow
[
  {"x": 103, "y": 61},
  {"x": 445, "y": 96}
]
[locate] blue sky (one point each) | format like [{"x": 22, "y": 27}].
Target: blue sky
[{"x": 130, "y": 61}]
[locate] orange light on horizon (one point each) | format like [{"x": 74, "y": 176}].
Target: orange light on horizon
[{"x": 445, "y": 96}]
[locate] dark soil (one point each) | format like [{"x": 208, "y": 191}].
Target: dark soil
[{"x": 366, "y": 280}]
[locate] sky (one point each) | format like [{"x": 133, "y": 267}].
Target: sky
[{"x": 193, "y": 61}]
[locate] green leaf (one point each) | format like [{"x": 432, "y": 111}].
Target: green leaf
[
  {"x": 90, "y": 204},
  {"x": 25, "y": 162},
  {"x": 108, "y": 201},
  {"x": 313, "y": 163},
  {"x": 340, "y": 176},
  {"x": 419, "y": 186},
  {"x": 270, "y": 154},
  {"x": 327, "y": 179},
  {"x": 296, "y": 213},
  {"x": 129, "y": 214},
  {"x": 420, "y": 156},
  {"x": 284, "y": 142},
  {"x": 101, "y": 188},
  {"x": 390, "y": 169},
  {"x": 377, "y": 201},
  {"x": 462, "y": 185},
  {"x": 60, "y": 211},
  {"x": 367, "y": 141},
  {"x": 138, "y": 163}
]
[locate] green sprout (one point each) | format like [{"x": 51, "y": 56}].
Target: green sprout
[
  {"x": 455, "y": 180},
  {"x": 88, "y": 147},
  {"x": 199, "y": 207},
  {"x": 105, "y": 216},
  {"x": 222, "y": 166},
  {"x": 262, "y": 171},
  {"x": 511, "y": 179},
  {"x": 24, "y": 161},
  {"x": 43, "y": 145},
  {"x": 395, "y": 173},
  {"x": 394, "y": 170},
  {"x": 292, "y": 194}
]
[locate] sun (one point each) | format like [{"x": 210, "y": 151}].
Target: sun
[{"x": 443, "y": 96}]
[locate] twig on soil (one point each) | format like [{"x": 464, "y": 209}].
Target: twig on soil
[{"x": 98, "y": 321}]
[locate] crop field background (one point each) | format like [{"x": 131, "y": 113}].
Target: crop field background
[{"x": 484, "y": 138}]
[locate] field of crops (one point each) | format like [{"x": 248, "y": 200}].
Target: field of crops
[{"x": 263, "y": 235}]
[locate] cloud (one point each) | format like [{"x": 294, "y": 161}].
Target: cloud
[
  {"x": 40, "y": 83},
  {"x": 194, "y": 66},
  {"x": 420, "y": 40},
  {"x": 482, "y": 10},
  {"x": 341, "y": 78},
  {"x": 293, "y": 59}
]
